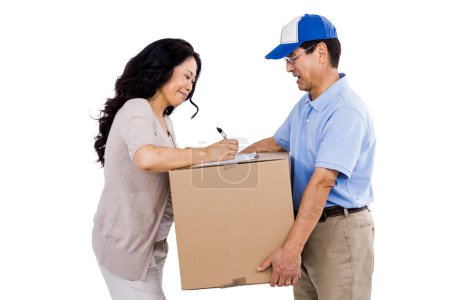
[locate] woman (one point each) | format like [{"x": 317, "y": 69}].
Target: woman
[{"x": 136, "y": 145}]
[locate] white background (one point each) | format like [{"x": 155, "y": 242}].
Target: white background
[{"x": 59, "y": 61}]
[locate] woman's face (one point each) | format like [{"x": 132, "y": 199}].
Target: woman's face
[{"x": 177, "y": 89}]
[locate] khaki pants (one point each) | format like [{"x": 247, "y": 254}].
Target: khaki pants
[
  {"x": 338, "y": 259},
  {"x": 150, "y": 288}
]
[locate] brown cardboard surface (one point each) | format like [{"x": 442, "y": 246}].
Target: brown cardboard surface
[{"x": 228, "y": 219}]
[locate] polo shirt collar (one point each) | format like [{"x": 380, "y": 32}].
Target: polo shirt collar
[{"x": 327, "y": 97}]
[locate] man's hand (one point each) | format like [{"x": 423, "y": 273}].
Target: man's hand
[{"x": 286, "y": 262}]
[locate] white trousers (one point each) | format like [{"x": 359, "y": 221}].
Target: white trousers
[{"x": 148, "y": 289}]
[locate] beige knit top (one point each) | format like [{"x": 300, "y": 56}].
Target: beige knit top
[{"x": 135, "y": 208}]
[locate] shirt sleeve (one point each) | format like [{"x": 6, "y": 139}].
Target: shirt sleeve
[
  {"x": 138, "y": 127},
  {"x": 283, "y": 135},
  {"x": 342, "y": 141}
]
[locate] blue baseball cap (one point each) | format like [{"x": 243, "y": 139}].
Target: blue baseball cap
[{"x": 300, "y": 30}]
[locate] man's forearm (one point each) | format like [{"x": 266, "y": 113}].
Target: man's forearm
[
  {"x": 265, "y": 145},
  {"x": 311, "y": 207}
]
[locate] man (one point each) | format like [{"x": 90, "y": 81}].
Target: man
[{"x": 329, "y": 134}]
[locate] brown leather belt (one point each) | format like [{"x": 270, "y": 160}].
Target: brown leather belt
[{"x": 334, "y": 211}]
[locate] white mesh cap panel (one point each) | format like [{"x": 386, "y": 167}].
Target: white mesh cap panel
[{"x": 289, "y": 34}]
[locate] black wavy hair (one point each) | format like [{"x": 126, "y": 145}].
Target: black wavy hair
[{"x": 143, "y": 75}]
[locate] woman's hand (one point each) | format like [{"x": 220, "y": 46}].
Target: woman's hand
[{"x": 222, "y": 150}]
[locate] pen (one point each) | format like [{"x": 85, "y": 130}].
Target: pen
[{"x": 222, "y": 133}]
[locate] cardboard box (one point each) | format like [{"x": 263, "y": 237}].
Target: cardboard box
[{"x": 229, "y": 218}]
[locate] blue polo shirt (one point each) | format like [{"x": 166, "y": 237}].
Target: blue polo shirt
[{"x": 334, "y": 131}]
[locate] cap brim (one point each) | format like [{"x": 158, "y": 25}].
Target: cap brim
[{"x": 282, "y": 50}]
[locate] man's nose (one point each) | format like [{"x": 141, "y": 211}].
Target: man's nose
[{"x": 289, "y": 67}]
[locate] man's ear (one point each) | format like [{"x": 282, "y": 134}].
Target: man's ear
[{"x": 322, "y": 52}]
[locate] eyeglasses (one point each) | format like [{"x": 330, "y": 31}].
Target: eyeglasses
[{"x": 292, "y": 59}]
